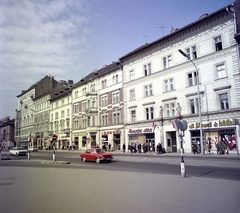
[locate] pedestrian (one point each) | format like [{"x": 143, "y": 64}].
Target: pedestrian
[
  {"x": 124, "y": 147},
  {"x": 109, "y": 147},
  {"x": 160, "y": 148},
  {"x": 139, "y": 148},
  {"x": 194, "y": 145}
]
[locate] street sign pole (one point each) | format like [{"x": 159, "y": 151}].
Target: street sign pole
[{"x": 182, "y": 126}]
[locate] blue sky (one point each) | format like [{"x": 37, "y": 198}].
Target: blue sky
[{"x": 68, "y": 39}]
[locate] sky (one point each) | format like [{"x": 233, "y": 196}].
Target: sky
[{"x": 68, "y": 39}]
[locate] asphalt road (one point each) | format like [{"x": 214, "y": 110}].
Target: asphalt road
[
  {"x": 138, "y": 163},
  {"x": 136, "y": 184}
]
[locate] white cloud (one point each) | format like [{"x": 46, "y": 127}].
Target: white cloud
[{"x": 39, "y": 38}]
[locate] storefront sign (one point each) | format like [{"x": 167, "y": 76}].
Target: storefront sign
[
  {"x": 82, "y": 134},
  {"x": 111, "y": 132},
  {"x": 219, "y": 123},
  {"x": 139, "y": 131}
]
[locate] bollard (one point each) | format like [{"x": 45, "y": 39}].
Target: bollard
[{"x": 5, "y": 155}]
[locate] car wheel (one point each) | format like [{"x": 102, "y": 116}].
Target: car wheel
[
  {"x": 109, "y": 161},
  {"x": 97, "y": 160},
  {"x": 84, "y": 159}
]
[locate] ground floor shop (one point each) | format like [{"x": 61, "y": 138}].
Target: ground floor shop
[
  {"x": 223, "y": 133},
  {"x": 109, "y": 139}
]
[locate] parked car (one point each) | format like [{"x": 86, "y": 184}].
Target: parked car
[
  {"x": 33, "y": 149},
  {"x": 97, "y": 155},
  {"x": 18, "y": 151}
]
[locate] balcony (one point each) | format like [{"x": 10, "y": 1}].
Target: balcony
[
  {"x": 92, "y": 93},
  {"x": 91, "y": 110},
  {"x": 66, "y": 131}
]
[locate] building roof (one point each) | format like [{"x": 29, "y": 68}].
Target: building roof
[
  {"x": 96, "y": 73},
  {"x": 174, "y": 32}
]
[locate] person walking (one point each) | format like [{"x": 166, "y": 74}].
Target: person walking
[
  {"x": 124, "y": 147},
  {"x": 160, "y": 148},
  {"x": 139, "y": 148}
]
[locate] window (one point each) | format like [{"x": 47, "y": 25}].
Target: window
[
  {"x": 56, "y": 115},
  {"x": 104, "y": 120},
  {"x": 132, "y": 95},
  {"x": 224, "y": 101},
  {"x": 221, "y": 71},
  {"x": 170, "y": 109},
  {"x": 62, "y": 102},
  {"x": 76, "y": 94},
  {"x": 115, "y": 97},
  {"x": 115, "y": 79},
  {"x": 167, "y": 62},
  {"x": 76, "y": 108},
  {"x": 133, "y": 115},
  {"x": 218, "y": 43},
  {"x": 194, "y": 52},
  {"x": 84, "y": 121},
  {"x": 192, "y": 78},
  {"x": 148, "y": 90},
  {"x": 92, "y": 88},
  {"x": 149, "y": 113},
  {"x": 168, "y": 85},
  {"x": 76, "y": 124},
  {"x": 147, "y": 69},
  {"x": 84, "y": 91},
  {"x": 191, "y": 52},
  {"x": 94, "y": 103},
  {"x": 84, "y": 106},
  {"x": 104, "y": 101},
  {"x": 104, "y": 84},
  {"x": 116, "y": 118},
  {"x": 62, "y": 114},
  {"x": 88, "y": 121},
  {"x": 131, "y": 75},
  {"x": 93, "y": 120},
  {"x": 193, "y": 106}
]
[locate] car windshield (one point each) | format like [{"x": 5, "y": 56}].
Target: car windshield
[{"x": 100, "y": 150}]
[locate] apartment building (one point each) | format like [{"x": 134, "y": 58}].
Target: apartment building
[
  {"x": 98, "y": 108},
  {"x": 161, "y": 85},
  {"x": 32, "y": 113},
  {"x": 7, "y": 132},
  {"x": 61, "y": 116}
]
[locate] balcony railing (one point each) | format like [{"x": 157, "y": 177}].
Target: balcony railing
[{"x": 66, "y": 131}]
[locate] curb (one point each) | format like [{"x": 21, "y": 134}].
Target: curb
[{"x": 34, "y": 161}]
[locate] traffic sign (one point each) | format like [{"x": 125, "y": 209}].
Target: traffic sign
[{"x": 54, "y": 137}]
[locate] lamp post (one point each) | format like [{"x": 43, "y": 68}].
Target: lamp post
[{"x": 199, "y": 103}]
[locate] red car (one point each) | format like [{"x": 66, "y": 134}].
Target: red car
[{"x": 97, "y": 155}]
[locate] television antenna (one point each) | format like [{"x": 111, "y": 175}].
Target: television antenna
[
  {"x": 146, "y": 37},
  {"x": 162, "y": 26}
]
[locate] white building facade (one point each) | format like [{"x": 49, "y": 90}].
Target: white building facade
[
  {"x": 98, "y": 109},
  {"x": 160, "y": 85}
]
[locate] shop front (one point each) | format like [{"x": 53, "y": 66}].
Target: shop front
[
  {"x": 111, "y": 140},
  {"x": 140, "y": 140},
  {"x": 219, "y": 136}
]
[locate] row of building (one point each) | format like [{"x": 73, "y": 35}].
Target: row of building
[{"x": 135, "y": 99}]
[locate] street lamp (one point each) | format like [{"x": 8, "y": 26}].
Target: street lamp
[{"x": 199, "y": 104}]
